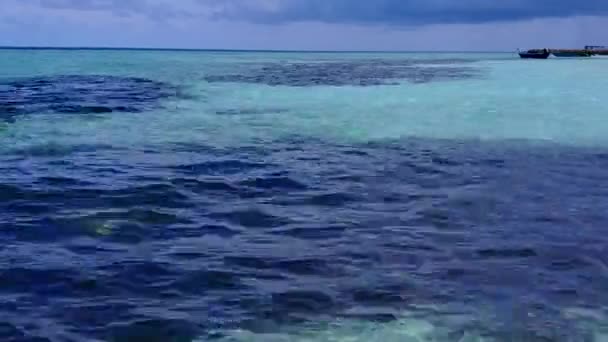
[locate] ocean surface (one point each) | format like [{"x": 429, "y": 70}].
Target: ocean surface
[{"x": 179, "y": 196}]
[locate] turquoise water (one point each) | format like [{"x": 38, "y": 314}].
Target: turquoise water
[
  {"x": 250, "y": 196},
  {"x": 559, "y": 101}
]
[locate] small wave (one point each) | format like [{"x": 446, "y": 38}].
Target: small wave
[
  {"x": 152, "y": 194},
  {"x": 248, "y": 262},
  {"x": 104, "y": 198},
  {"x": 251, "y": 111},
  {"x": 301, "y": 301},
  {"x": 63, "y": 182},
  {"x": 16, "y": 333},
  {"x": 251, "y": 218},
  {"x": 58, "y": 150},
  {"x": 39, "y": 281},
  {"x": 203, "y": 186},
  {"x": 9, "y": 193},
  {"x": 568, "y": 265},
  {"x": 336, "y": 199},
  {"x": 220, "y": 230},
  {"x": 152, "y": 217},
  {"x": 313, "y": 232},
  {"x": 274, "y": 183},
  {"x": 203, "y": 281},
  {"x": 398, "y": 327},
  {"x": 309, "y": 266},
  {"x": 220, "y": 167},
  {"x": 154, "y": 329},
  {"x": 503, "y": 253},
  {"x": 137, "y": 277},
  {"x": 78, "y": 109},
  {"x": 298, "y": 266},
  {"x": 28, "y": 208}
]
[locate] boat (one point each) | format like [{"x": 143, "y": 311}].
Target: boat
[
  {"x": 572, "y": 53},
  {"x": 535, "y": 54},
  {"x": 597, "y": 50}
]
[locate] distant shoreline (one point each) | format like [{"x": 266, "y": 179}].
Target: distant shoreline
[{"x": 91, "y": 48}]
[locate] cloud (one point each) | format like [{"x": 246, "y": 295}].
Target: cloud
[
  {"x": 384, "y": 12},
  {"x": 410, "y": 12},
  {"x": 156, "y": 9},
  {"x": 187, "y": 24}
]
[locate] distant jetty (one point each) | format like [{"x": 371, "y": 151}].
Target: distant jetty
[{"x": 588, "y": 51}]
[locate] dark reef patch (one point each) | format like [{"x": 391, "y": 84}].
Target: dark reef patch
[
  {"x": 81, "y": 94},
  {"x": 352, "y": 73}
]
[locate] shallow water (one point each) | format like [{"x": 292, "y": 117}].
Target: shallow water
[{"x": 193, "y": 196}]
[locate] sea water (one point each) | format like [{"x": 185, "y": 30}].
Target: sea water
[{"x": 284, "y": 196}]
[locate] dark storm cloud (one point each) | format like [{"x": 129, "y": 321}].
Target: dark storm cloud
[
  {"x": 407, "y": 12},
  {"x": 157, "y": 9},
  {"x": 392, "y": 12}
]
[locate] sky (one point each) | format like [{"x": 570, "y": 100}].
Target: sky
[{"x": 418, "y": 25}]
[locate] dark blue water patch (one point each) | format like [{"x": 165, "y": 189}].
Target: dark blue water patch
[
  {"x": 258, "y": 236},
  {"x": 352, "y": 73},
  {"x": 502, "y": 253},
  {"x": 57, "y": 150},
  {"x": 154, "y": 330},
  {"x": 251, "y": 111},
  {"x": 81, "y": 94}
]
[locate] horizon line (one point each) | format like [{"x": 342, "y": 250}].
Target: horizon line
[{"x": 26, "y": 47}]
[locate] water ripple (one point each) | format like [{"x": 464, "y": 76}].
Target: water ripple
[
  {"x": 351, "y": 73},
  {"x": 80, "y": 94},
  {"x": 258, "y": 238}
]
